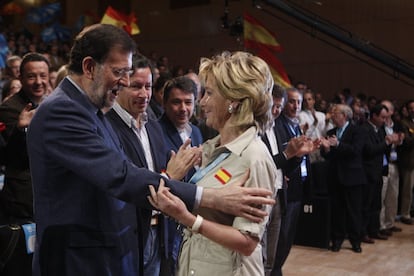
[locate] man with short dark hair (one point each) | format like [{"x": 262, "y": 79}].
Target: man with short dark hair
[
  {"x": 374, "y": 160},
  {"x": 143, "y": 143},
  {"x": 297, "y": 175},
  {"x": 178, "y": 102},
  {"x": 16, "y": 198},
  {"x": 179, "y": 99},
  {"x": 406, "y": 163},
  {"x": 287, "y": 158}
]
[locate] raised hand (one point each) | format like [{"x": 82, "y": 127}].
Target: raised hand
[
  {"x": 25, "y": 116},
  {"x": 182, "y": 161},
  {"x": 300, "y": 146}
]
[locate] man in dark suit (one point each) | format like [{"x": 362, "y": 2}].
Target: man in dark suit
[
  {"x": 373, "y": 154},
  {"x": 16, "y": 198},
  {"x": 143, "y": 143},
  {"x": 286, "y": 158},
  {"x": 343, "y": 150},
  {"x": 85, "y": 189},
  {"x": 406, "y": 165},
  {"x": 297, "y": 173},
  {"x": 178, "y": 102}
]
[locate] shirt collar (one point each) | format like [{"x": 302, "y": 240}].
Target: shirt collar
[
  {"x": 345, "y": 125},
  {"x": 237, "y": 146},
  {"x": 76, "y": 85},
  {"x": 374, "y": 126},
  {"x": 187, "y": 129},
  {"x": 124, "y": 115},
  {"x": 292, "y": 121}
]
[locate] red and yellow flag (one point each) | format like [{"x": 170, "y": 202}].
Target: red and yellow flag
[
  {"x": 263, "y": 41},
  {"x": 255, "y": 33},
  {"x": 11, "y": 9},
  {"x": 116, "y": 18},
  {"x": 223, "y": 176},
  {"x": 276, "y": 67}
]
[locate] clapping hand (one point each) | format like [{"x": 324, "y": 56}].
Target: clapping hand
[
  {"x": 182, "y": 161},
  {"x": 25, "y": 116}
]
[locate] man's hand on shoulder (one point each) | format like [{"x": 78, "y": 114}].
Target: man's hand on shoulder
[{"x": 238, "y": 200}]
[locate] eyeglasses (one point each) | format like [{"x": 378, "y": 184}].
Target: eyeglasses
[{"x": 120, "y": 73}]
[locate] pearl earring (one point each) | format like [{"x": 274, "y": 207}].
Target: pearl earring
[{"x": 230, "y": 109}]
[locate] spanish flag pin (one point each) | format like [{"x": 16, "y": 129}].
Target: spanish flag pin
[{"x": 223, "y": 176}]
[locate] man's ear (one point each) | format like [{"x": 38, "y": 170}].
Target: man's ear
[{"x": 88, "y": 67}]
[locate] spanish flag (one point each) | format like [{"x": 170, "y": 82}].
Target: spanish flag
[
  {"x": 116, "y": 18},
  {"x": 257, "y": 37},
  {"x": 11, "y": 9},
  {"x": 276, "y": 67},
  {"x": 255, "y": 33},
  {"x": 223, "y": 176}
]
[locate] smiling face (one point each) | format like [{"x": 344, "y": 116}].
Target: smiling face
[
  {"x": 215, "y": 106},
  {"x": 293, "y": 104},
  {"x": 179, "y": 107},
  {"x": 136, "y": 97},
  {"x": 277, "y": 107},
  {"x": 108, "y": 77},
  {"x": 35, "y": 79}
]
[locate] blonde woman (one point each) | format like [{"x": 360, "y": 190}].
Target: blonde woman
[{"x": 237, "y": 103}]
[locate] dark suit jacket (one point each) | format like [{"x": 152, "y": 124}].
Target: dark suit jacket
[
  {"x": 406, "y": 151},
  {"x": 280, "y": 159},
  {"x": 16, "y": 198},
  {"x": 173, "y": 139},
  {"x": 86, "y": 190},
  {"x": 373, "y": 152},
  {"x": 296, "y": 187},
  {"x": 345, "y": 160},
  {"x": 134, "y": 150}
]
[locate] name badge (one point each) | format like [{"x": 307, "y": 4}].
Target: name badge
[
  {"x": 30, "y": 235},
  {"x": 303, "y": 170},
  {"x": 393, "y": 155}
]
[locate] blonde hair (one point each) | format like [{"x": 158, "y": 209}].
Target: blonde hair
[{"x": 246, "y": 79}]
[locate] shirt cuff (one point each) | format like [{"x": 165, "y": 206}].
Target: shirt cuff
[{"x": 199, "y": 194}]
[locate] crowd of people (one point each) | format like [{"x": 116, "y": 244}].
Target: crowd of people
[{"x": 129, "y": 166}]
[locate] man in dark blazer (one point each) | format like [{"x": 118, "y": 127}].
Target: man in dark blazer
[
  {"x": 178, "y": 102},
  {"x": 16, "y": 198},
  {"x": 375, "y": 147},
  {"x": 85, "y": 189},
  {"x": 287, "y": 158},
  {"x": 406, "y": 165},
  {"x": 343, "y": 150},
  {"x": 297, "y": 173},
  {"x": 143, "y": 143}
]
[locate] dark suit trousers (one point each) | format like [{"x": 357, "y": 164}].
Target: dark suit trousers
[
  {"x": 372, "y": 206},
  {"x": 346, "y": 202}
]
